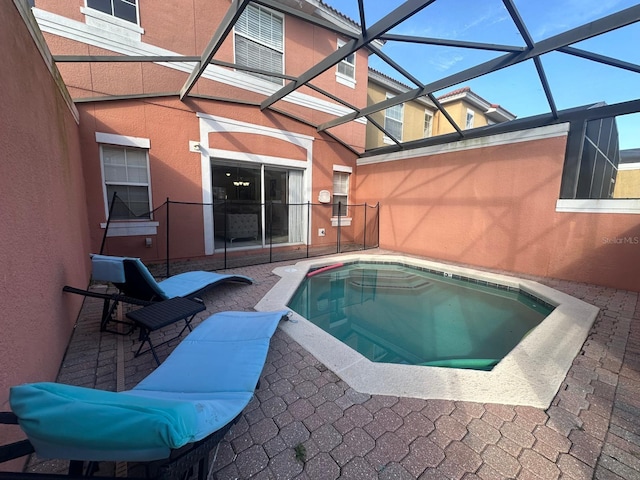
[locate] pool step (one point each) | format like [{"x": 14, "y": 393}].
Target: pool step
[{"x": 388, "y": 280}]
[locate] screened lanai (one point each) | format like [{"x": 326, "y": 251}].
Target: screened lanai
[{"x": 549, "y": 55}]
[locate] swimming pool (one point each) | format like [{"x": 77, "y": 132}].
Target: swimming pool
[
  {"x": 530, "y": 374},
  {"x": 394, "y": 313}
]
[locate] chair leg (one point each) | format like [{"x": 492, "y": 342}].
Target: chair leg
[{"x": 145, "y": 337}]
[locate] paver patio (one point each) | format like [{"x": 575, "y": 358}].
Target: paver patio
[{"x": 305, "y": 422}]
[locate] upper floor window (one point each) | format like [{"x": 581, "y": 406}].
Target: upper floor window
[
  {"x": 123, "y": 9},
  {"x": 340, "y": 192},
  {"x": 126, "y": 172},
  {"x": 428, "y": 123},
  {"x": 346, "y": 69},
  {"x": 259, "y": 41},
  {"x": 393, "y": 119},
  {"x": 469, "y": 120}
]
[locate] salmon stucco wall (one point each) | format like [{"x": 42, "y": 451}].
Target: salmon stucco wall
[
  {"x": 495, "y": 207},
  {"x": 176, "y": 172},
  {"x": 43, "y": 233}
]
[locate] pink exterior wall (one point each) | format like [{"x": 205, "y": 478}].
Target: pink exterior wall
[
  {"x": 494, "y": 207},
  {"x": 43, "y": 233},
  {"x": 185, "y": 27},
  {"x": 176, "y": 172}
]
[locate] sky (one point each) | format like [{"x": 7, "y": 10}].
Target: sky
[{"x": 573, "y": 81}]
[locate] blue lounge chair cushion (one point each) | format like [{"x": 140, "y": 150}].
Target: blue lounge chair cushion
[
  {"x": 111, "y": 269},
  {"x": 108, "y": 269},
  {"x": 184, "y": 284},
  {"x": 204, "y": 384},
  {"x": 68, "y": 417}
]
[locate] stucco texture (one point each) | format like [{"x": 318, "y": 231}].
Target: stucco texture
[
  {"x": 495, "y": 207},
  {"x": 44, "y": 237}
]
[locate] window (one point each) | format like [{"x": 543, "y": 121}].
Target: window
[
  {"x": 346, "y": 69},
  {"x": 428, "y": 124},
  {"x": 340, "y": 193},
  {"x": 123, "y": 9},
  {"x": 393, "y": 120},
  {"x": 126, "y": 171},
  {"x": 469, "y": 120},
  {"x": 259, "y": 41}
]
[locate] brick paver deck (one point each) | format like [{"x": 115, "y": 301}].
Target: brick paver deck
[{"x": 306, "y": 423}]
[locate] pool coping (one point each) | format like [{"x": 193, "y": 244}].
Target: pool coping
[{"x": 530, "y": 374}]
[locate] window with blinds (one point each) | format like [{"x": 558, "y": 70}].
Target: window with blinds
[
  {"x": 126, "y": 171},
  {"x": 340, "y": 193},
  {"x": 347, "y": 67},
  {"x": 259, "y": 41},
  {"x": 393, "y": 120},
  {"x": 123, "y": 9}
]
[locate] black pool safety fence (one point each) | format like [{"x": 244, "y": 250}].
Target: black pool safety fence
[{"x": 231, "y": 234}]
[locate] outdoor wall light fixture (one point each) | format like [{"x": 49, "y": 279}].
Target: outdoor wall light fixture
[{"x": 241, "y": 184}]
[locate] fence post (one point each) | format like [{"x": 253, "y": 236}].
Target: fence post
[
  {"x": 364, "y": 233},
  {"x": 378, "y": 223},
  {"x": 308, "y": 226},
  {"x": 224, "y": 237},
  {"x": 106, "y": 228},
  {"x": 167, "y": 237},
  {"x": 270, "y": 231},
  {"x": 339, "y": 226}
]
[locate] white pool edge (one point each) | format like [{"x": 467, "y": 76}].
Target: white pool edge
[{"x": 530, "y": 374}]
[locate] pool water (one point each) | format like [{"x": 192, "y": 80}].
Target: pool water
[{"x": 399, "y": 314}]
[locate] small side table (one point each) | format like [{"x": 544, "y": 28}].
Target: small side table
[{"x": 160, "y": 315}]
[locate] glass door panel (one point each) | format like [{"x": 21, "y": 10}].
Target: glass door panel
[
  {"x": 237, "y": 194},
  {"x": 277, "y": 215}
]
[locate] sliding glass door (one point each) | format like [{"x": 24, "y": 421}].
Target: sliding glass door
[{"x": 256, "y": 205}]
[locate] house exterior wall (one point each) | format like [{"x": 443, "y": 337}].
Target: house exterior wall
[
  {"x": 69, "y": 31},
  {"x": 44, "y": 235},
  {"x": 412, "y": 121},
  {"x": 413, "y": 117},
  {"x": 494, "y": 206},
  {"x": 177, "y": 173},
  {"x": 627, "y": 184}
]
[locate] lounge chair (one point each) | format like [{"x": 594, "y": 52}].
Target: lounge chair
[
  {"x": 187, "y": 403},
  {"x": 136, "y": 284}
]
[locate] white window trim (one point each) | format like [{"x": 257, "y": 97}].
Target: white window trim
[
  {"x": 131, "y": 228},
  {"x": 125, "y": 228},
  {"x": 625, "y": 206},
  {"x": 473, "y": 118},
  {"x": 123, "y": 140},
  {"x": 388, "y": 140},
  {"x": 341, "y": 78},
  {"x": 430, "y": 114},
  {"x": 344, "y": 221},
  {"x": 107, "y": 22},
  {"x": 215, "y": 124},
  {"x": 118, "y": 43},
  {"x": 628, "y": 166}
]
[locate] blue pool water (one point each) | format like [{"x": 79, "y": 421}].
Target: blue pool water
[{"x": 399, "y": 314}]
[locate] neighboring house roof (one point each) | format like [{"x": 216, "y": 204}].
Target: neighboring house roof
[
  {"x": 394, "y": 86},
  {"x": 493, "y": 111},
  {"x": 320, "y": 9},
  {"x": 631, "y": 155}
]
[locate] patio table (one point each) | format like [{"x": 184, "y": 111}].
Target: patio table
[{"x": 160, "y": 315}]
